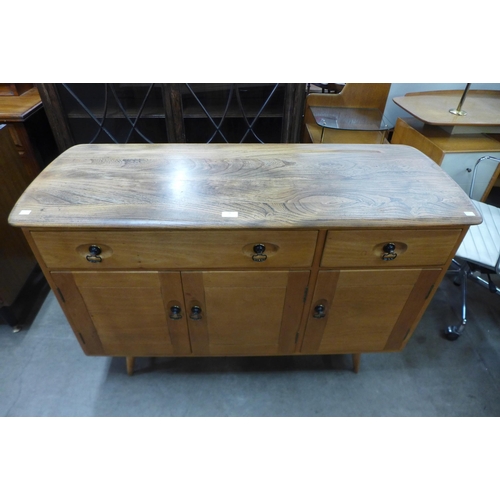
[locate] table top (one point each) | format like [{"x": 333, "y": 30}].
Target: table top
[
  {"x": 231, "y": 186},
  {"x": 340, "y": 118},
  {"x": 482, "y": 107},
  {"x": 19, "y": 107}
]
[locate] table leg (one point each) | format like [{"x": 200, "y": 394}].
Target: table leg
[
  {"x": 130, "y": 365},
  {"x": 356, "y": 359}
]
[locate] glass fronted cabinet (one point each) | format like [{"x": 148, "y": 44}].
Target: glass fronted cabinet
[{"x": 174, "y": 112}]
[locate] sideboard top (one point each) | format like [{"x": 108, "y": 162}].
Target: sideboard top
[{"x": 242, "y": 186}]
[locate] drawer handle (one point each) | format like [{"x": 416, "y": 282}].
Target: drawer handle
[
  {"x": 195, "y": 313},
  {"x": 94, "y": 256},
  {"x": 319, "y": 312},
  {"x": 175, "y": 313},
  {"x": 259, "y": 255},
  {"x": 389, "y": 252}
]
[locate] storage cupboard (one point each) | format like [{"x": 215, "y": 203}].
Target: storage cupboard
[{"x": 221, "y": 250}]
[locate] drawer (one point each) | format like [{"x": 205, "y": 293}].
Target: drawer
[
  {"x": 175, "y": 249},
  {"x": 368, "y": 248}
]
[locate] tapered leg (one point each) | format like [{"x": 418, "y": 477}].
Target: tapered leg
[
  {"x": 130, "y": 365},
  {"x": 356, "y": 359}
]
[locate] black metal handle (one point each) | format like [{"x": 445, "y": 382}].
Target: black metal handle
[
  {"x": 319, "y": 312},
  {"x": 259, "y": 255},
  {"x": 94, "y": 256},
  {"x": 389, "y": 252},
  {"x": 195, "y": 313},
  {"x": 175, "y": 313}
]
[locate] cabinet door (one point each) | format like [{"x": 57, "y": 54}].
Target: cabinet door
[
  {"x": 125, "y": 313},
  {"x": 244, "y": 313},
  {"x": 361, "y": 311}
]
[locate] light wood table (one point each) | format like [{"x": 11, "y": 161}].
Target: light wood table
[
  {"x": 243, "y": 250},
  {"x": 454, "y": 142}
]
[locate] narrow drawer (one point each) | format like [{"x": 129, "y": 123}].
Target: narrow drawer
[
  {"x": 175, "y": 249},
  {"x": 388, "y": 247}
]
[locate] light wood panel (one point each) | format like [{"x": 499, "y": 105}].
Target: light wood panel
[
  {"x": 241, "y": 311},
  {"x": 176, "y": 249},
  {"x": 129, "y": 311},
  {"x": 328, "y": 135},
  {"x": 363, "y": 308},
  {"x": 18, "y": 108},
  {"x": 482, "y": 106},
  {"x": 77, "y": 313},
  {"x": 365, "y": 248}
]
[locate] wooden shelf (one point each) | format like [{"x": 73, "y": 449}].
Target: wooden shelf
[{"x": 455, "y": 143}]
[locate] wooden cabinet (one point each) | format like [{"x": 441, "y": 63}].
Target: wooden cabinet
[
  {"x": 378, "y": 282},
  {"x": 17, "y": 262},
  {"x": 455, "y": 153},
  {"x": 21, "y": 110},
  {"x": 197, "y": 250}
]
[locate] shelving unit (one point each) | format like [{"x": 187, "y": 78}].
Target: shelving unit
[{"x": 168, "y": 112}]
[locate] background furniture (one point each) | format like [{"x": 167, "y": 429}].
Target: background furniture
[
  {"x": 171, "y": 112},
  {"x": 16, "y": 259},
  {"x": 353, "y": 95},
  {"x": 222, "y": 249},
  {"x": 22, "y": 111},
  {"x": 454, "y": 142},
  {"x": 329, "y": 88},
  {"x": 479, "y": 252},
  {"x": 14, "y": 88},
  {"x": 365, "y": 120}
]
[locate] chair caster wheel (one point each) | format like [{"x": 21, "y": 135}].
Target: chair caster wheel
[{"x": 451, "y": 334}]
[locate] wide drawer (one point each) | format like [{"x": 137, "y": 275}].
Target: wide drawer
[
  {"x": 389, "y": 247},
  {"x": 175, "y": 249}
]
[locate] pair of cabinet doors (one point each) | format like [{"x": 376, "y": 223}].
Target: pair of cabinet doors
[{"x": 152, "y": 313}]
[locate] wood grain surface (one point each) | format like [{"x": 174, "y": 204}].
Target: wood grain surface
[
  {"x": 267, "y": 186},
  {"x": 482, "y": 107},
  {"x": 18, "y": 108}
]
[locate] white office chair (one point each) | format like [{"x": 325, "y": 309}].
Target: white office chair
[{"x": 479, "y": 253}]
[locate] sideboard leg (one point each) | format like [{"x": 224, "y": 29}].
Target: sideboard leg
[
  {"x": 356, "y": 359},
  {"x": 130, "y": 365}
]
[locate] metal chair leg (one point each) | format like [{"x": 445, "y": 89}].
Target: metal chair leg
[{"x": 453, "y": 332}]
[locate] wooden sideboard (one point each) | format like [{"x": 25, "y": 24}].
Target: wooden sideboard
[{"x": 231, "y": 250}]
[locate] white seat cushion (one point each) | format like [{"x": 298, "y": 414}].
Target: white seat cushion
[{"x": 481, "y": 244}]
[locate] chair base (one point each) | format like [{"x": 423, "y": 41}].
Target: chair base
[{"x": 465, "y": 272}]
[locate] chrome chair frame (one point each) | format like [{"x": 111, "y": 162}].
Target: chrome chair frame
[{"x": 467, "y": 267}]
